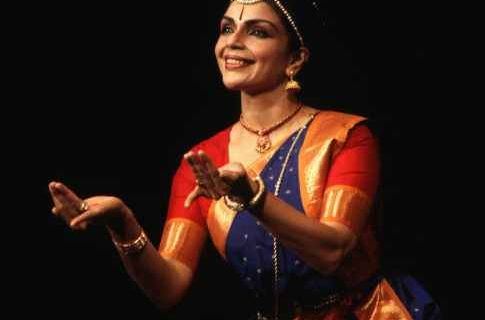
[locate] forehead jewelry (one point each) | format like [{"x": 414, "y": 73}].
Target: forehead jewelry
[{"x": 282, "y": 8}]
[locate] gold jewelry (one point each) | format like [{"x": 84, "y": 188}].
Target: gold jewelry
[
  {"x": 276, "y": 245},
  {"x": 254, "y": 202},
  {"x": 233, "y": 205},
  {"x": 132, "y": 247},
  {"x": 258, "y": 197},
  {"x": 285, "y": 13},
  {"x": 292, "y": 85},
  {"x": 83, "y": 207},
  {"x": 263, "y": 143},
  {"x": 247, "y": 1}
]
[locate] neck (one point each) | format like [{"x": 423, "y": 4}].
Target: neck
[{"x": 265, "y": 109}]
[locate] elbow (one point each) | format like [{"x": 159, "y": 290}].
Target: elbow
[
  {"x": 331, "y": 258},
  {"x": 165, "y": 303},
  {"x": 171, "y": 290},
  {"x": 331, "y": 261}
]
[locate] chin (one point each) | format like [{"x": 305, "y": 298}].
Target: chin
[{"x": 233, "y": 84}]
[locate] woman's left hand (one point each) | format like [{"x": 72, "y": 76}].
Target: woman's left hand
[{"x": 230, "y": 179}]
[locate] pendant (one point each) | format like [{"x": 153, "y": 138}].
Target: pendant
[{"x": 263, "y": 144}]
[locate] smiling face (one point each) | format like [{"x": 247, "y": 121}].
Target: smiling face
[{"x": 252, "y": 51}]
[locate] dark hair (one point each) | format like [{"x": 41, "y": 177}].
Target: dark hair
[
  {"x": 311, "y": 20},
  {"x": 308, "y": 18},
  {"x": 294, "y": 42}
]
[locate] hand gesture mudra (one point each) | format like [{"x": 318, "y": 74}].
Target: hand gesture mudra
[
  {"x": 79, "y": 213},
  {"x": 230, "y": 179}
]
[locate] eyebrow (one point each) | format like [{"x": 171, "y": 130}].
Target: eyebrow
[{"x": 252, "y": 21}]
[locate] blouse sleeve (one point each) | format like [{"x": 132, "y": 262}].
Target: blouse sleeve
[
  {"x": 352, "y": 181},
  {"x": 185, "y": 230}
]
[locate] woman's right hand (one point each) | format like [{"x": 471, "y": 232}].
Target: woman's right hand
[{"x": 79, "y": 213}]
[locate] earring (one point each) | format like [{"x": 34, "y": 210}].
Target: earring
[{"x": 292, "y": 85}]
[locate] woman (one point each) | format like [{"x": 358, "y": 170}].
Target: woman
[{"x": 285, "y": 194}]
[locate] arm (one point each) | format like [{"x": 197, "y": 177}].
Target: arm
[
  {"x": 163, "y": 278},
  {"x": 322, "y": 244}
]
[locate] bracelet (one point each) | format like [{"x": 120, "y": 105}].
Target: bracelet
[
  {"x": 255, "y": 200},
  {"x": 233, "y": 205},
  {"x": 134, "y": 246},
  {"x": 259, "y": 196}
]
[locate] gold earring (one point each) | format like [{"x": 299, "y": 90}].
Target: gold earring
[{"x": 292, "y": 85}]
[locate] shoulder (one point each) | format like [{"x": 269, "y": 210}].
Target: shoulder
[
  {"x": 215, "y": 142},
  {"x": 338, "y": 119},
  {"x": 216, "y": 146},
  {"x": 334, "y": 124}
]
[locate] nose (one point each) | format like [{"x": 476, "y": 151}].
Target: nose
[{"x": 235, "y": 40}]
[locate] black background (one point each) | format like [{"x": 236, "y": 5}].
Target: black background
[{"x": 112, "y": 96}]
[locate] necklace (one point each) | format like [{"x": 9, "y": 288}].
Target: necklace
[
  {"x": 263, "y": 143},
  {"x": 276, "y": 245}
]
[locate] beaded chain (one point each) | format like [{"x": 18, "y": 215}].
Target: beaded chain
[{"x": 275, "y": 239}]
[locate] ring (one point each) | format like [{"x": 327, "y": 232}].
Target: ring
[{"x": 83, "y": 207}]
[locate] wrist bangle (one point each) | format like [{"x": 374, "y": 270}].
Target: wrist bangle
[
  {"x": 233, "y": 205},
  {"x": 254, "y": 202},
  {"x": 259, "y": 196},
  {"x": 135, "y": 246}
]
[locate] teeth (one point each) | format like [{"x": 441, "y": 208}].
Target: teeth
[{"x": 235, "y": 61}]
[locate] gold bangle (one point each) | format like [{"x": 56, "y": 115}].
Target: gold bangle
[
  {"x": 255, "y": 200},
  {"x": 233, "y": 205},
  {"x": 134, "y": 246},
  {"x": 259, "y": 196}
]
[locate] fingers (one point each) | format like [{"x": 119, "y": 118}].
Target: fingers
[
  {"x": 83, "y": 218},
  {"x": 64, "y": 199},
  {"x": 53, "y": 191},
  {"x": 221, "y": 188},
  {"x": 194, "y": 194},
  {"x": 191, "y": 197},
  {"x": 67, "y": 205},
  {"x": 58, "y": 188},
  {"x": 212, "y": 182},
  {"x": 83, "y": 225},
  {"x": 77, "y": 226},
  {"x": 229, "y": 176},
  {"x": 203, "y": 177}
]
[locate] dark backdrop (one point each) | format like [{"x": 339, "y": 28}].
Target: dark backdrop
[{"x": 117, "y": 93}]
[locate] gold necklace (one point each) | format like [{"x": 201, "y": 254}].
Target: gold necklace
[{"x": 263, "y": 143}]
